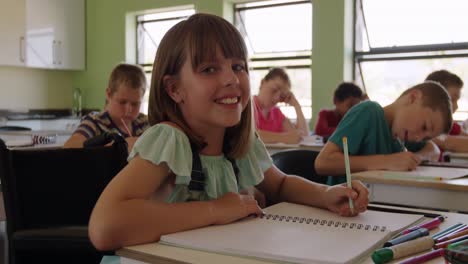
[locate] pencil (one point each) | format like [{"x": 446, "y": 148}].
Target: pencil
[
  {"x": 348, "y": 170},
  {"x": 126, "y": 127}
]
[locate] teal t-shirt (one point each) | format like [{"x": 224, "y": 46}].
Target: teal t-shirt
[{"x": 367, "y": 131}]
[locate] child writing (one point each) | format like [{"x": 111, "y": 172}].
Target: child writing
[
  {"x": 376, "y": 135},
  {"x": 194, "y": 166},
  {"x": 124, "y": 93},
  {"x": 272, "y": 125},
  {"x": 346, "y": 95},
  {"x": 456, "y": 140}
]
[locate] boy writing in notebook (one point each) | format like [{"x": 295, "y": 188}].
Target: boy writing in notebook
[{"x": 376, "y": 134}]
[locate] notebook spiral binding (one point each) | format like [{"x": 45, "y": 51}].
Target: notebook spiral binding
[
  {"x": 44, "y": 139},
  {"x": 323, "y": 222}
]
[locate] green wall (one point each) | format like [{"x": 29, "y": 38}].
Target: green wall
[{"x": 106, "y": 40}]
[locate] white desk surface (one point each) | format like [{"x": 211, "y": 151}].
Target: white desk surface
[
  {"x": 163, "y": 254},
  {"x": 435, "y": 194},
  {"x": 309, "y": 142}
]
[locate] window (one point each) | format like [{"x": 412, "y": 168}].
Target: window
[
  {"x": 279, "y": 34},
  {"x": 150, "y": 30},
  {"x": 399, "y": 42}
]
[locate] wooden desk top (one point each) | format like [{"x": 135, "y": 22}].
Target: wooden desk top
[
  {"x": 163, "y": 254},
  {"x": 460, "y": 184}
]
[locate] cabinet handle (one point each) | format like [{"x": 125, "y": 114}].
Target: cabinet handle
[
  {"x": 21, "y": 51},
  {"x": 59, "y": 52},
  {"x": 54, "y": 52}
]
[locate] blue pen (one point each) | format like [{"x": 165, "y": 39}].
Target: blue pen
[{"x": 410, "y": 236}]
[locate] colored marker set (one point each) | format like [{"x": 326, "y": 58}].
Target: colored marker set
[
  {"x": 451, "y": 243},
  {"x": 411, "y": 241}
]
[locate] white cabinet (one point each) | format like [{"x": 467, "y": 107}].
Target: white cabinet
[
  {"x": 12, "y": 29},
  {"x": 52, "y": 34}
]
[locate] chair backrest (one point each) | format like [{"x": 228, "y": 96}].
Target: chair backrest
[
  {"x": 298, "y": 162},
  {"x": 56, "y": 187}
]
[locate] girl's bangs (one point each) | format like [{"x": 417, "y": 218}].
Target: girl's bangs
[{"x": 206, "y": 39}]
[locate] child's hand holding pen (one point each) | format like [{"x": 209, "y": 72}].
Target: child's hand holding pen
[{"x": 337, "y": 196}]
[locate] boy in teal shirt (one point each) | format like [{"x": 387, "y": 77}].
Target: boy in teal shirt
[{"x": 376, "y": 134}]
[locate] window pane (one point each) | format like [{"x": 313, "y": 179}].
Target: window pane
[
  {"x": 415, "y": 22},
  {"x": 277, "y": 29},
  {"x": 301, "y": 83},
  {"x": 386, "y": 80},
  {"x": 151, "y": 28}
]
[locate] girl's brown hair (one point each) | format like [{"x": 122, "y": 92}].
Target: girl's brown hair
[
  {"x": 277, "y": 72},
  {"x": 198, "y": 38}
]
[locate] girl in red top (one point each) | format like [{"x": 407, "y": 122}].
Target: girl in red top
[
  {"x": 272, "y": 125},
  {"x": 346, "y": 95}
]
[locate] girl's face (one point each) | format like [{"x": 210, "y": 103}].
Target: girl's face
[
  {"x": 273, "y": 91},
  {"x": 124, "y": 103},
  {"x": 214, "y": 94},
  {"x": 415, "y": 122}
]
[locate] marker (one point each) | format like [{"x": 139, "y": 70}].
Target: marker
[
  {"x": 431, "y": 224},
  {"x": 457, "y": 244},
  {"x": 387, "y": 254},
  {"x": 420, "y": 232},
  {"x": 348, "y": 171},
  {"x": 461, "y": 232},
  {"x": 424, "y": 257},
  {"x": 448, "y": 242},
  {"x": 447, "y": 230}
]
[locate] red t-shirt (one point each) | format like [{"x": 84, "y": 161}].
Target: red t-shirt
[
  {"x": 272, "y": 122},
  {"x": 456, "y": 129},
  {"x": 327, "y": 122}
]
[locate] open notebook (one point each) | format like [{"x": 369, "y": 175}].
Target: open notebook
[
  {"x": 298, "y": 234},
  {"x": 421, "y": 173},
  {"x": 308, "y": 141}
]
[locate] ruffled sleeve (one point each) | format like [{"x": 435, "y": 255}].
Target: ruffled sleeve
[
  {"x": 164, "y": 143},
  {"x": 253, "y": 165}
]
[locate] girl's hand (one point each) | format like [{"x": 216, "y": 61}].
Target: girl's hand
[
  {"x": 289, "y": 98},
  {"x": 233, "y": 206},
  {"x": 336, "y": 198}
]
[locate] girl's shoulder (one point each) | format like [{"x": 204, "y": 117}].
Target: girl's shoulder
[{"x": 165, "y": 142}]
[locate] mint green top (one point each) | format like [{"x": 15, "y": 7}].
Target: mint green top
[
  {"x": 165, "y": 143},
  {"x": 367, "y": 131}
]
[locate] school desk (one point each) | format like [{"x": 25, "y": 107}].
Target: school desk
[
  {"x": 310, "y": 142},
  {"x": 459, "y": 157},
  {"x": 163, "y": 254},
  {"x": 449, "y": 195}
]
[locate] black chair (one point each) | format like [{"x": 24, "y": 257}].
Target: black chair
[
  {"x": 49, "y": 195},
  {"x": 298, "y": 162}
]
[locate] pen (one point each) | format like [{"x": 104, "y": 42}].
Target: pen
[
  {"x": 348, "y": 170},
  {"x": 431, "y": 224},
  {"x": 451, "y": 232},
  {"x": 420, "y": 232},
  {"x": 126, "y": 127},
  {"x": 406, "y": 140},
  {"x": 424, "y": 257},
  {"x": 446, "y": 231}
]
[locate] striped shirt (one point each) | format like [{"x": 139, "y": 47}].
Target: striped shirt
[{"x": 96, "y": 123}]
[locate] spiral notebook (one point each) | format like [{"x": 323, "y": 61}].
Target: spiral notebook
[{"x": 298, "y": 234}]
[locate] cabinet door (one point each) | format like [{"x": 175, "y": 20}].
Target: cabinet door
[
  {"x": 41, "y": 39},
  {"x": 12, "y": 29},
  {"x": 55, "y": 34},
  {"x": 70, "y": 46}
]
